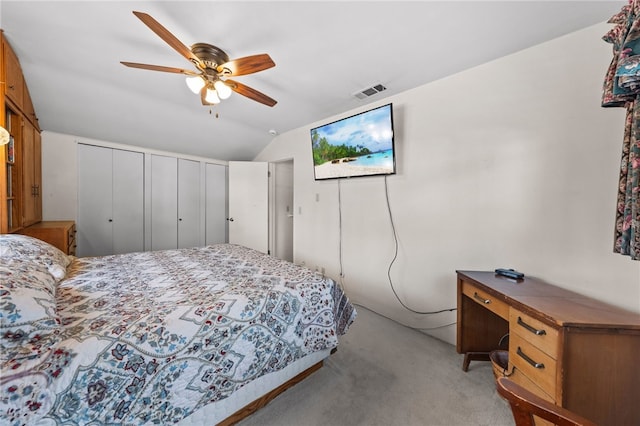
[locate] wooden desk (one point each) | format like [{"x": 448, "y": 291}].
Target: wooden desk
[{"x": 578, "y": 352}]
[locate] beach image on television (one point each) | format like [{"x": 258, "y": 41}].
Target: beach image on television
[{"x": 360, "y": 145}]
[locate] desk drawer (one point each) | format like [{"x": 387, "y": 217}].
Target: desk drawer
[
  {"x": 533, "y": 363},
  {"x": 485, "y": 299},
  {"x": 518, "y": 377},
  {"x": 539, "y": 334}
]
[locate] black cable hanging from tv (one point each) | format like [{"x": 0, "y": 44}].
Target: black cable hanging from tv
[
  {"x": 395, "y": 256},
  {"x": 340, "y": 234}
]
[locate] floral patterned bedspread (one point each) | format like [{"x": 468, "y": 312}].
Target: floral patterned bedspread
[{"x": 148, "y": 338}]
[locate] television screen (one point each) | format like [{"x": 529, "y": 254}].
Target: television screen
[{"x": 360, "y": 145}]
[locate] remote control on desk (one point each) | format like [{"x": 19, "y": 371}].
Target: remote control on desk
[{"x": 509, "y": 273}]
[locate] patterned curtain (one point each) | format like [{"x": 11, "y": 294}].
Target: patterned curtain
[{"x": 622, "y": 89}]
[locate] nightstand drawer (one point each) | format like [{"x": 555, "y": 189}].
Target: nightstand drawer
[
  {"x": 539, "y": 334},
  {"x": 485, "y": 299},
  {"x": 71, "y": 240},
  {"x": 533, "y": 363}
]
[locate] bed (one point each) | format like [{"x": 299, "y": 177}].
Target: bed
[{"x": 190, "y": 336}]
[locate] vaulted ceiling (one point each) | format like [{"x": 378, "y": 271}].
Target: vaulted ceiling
[{"x": 325, "y": 52}]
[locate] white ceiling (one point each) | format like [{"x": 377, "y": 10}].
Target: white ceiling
[{"x": 324, "y": 52}]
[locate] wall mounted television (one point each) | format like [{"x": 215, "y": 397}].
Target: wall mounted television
[{"x": 359, "y": 145}]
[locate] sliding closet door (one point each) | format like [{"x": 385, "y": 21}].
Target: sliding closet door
[
  {"x": 216, "y": 204},
  {"x": 188, "y": 203},
  {"x": 128, "y": 201},
  {"x": 95, "y": 193},
  {"x": 164, "y": 202},
  {"x": 110, "y": 201}
]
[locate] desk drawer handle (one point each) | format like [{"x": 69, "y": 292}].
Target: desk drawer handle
[
  {"x": 530, "y": 328},
  {"x": 480, "y": 298},
  {"x": 529, "y": 360}
]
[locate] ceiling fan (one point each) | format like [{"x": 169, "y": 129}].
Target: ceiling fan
[{"x": 213, "y": 67}]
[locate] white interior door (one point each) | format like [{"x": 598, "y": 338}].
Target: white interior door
[
  {"x": 188, "y": 203},
  {"x": 282, "y": 218},
  {"x": 248, "y": 204}
]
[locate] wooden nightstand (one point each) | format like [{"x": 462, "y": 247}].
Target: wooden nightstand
[{"x": 58, "y": 233}]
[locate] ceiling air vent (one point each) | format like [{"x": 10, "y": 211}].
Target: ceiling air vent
[{"x": 369, "y": 91}]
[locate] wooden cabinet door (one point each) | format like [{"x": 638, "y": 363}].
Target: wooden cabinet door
[
  {"x": 14, "y": 88},
  {"x": 31, "y": 175},
  {"x": 28, "y": 109},
  {"x": 37, "y": 174}
]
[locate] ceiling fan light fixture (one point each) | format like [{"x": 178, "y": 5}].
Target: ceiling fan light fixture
[
  {"x": 223, "y": 90},
  {"x": 211, "y": 63},
  {"x": 195, "y": 83},
  {"x": 211, "y": 96}
]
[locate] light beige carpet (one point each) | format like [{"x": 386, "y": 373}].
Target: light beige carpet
[{"x": 387, "y": 374}]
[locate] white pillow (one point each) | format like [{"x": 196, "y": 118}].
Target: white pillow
[{"x": 26, "y": 248}]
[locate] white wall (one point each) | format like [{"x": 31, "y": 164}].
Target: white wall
[
  {"x": 59, "y": 177},
  {"x": 509, "y": 164}
]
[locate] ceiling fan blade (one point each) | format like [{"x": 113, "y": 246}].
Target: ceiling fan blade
[
  {"x": 159, "y": 68},
  {"x": 247, "y": 65},
  {"x": 169, "y": 38},
  {"x": 250, "y": 93}
]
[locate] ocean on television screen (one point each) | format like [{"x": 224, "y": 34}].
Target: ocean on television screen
[{"x": 378, "y": 159}]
